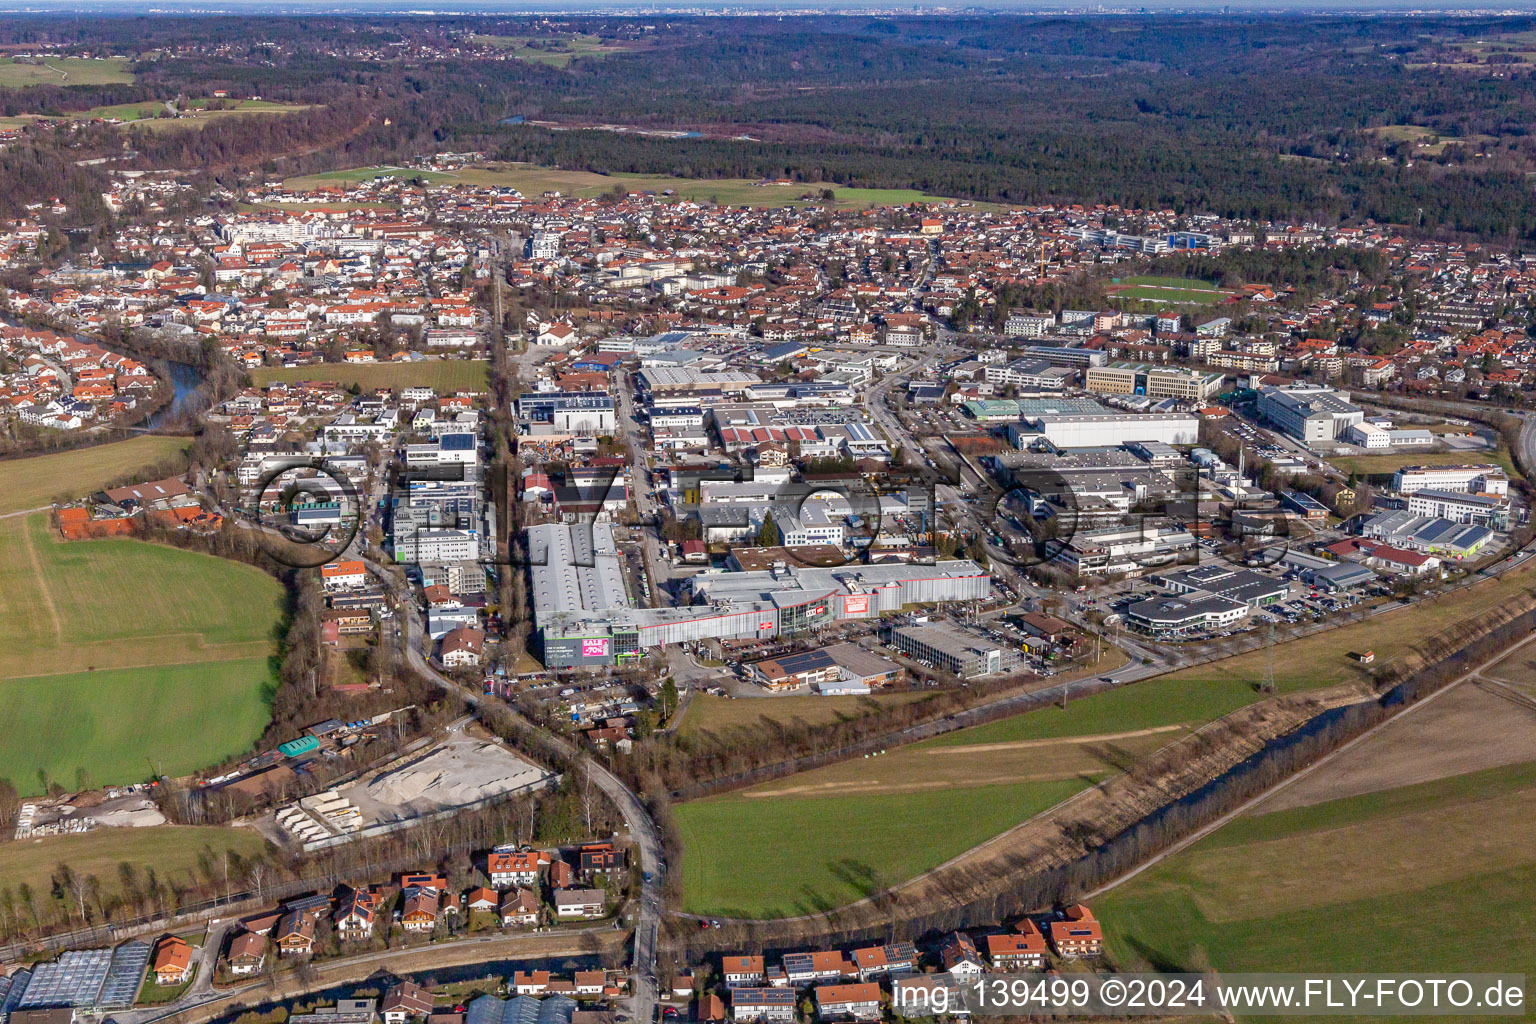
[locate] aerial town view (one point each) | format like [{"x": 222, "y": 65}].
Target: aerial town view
[{"x": 641, "y": 516}]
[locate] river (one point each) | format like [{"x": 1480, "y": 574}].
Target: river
[{"x": 186, "y": 379}]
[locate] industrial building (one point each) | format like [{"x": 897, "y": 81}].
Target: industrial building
[
  {"x": 1104, "y": 430},
  {"x": 1244, "y": 585},
  {"x": 561, "y": 413},
  {"x": 1124, "y": 549},
  {"x": 1153, "y": 381},
  {"x": 1176, "y": 615},
  {"x": 1470, "y": 479},
  {"x": 841, "y": 669},
  {"x": 953, "y": 649},
  {"x": 1488, "y": 510},
  {"x": 1309, "y": 412},
  {"x": 1429, "y": 535},
  {"x": 584, "y": 616}
]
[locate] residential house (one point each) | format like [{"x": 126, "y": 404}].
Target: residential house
[
  {"x": 520, "y": 909},
  {"x": 600, "y": 859},
  {"x": 404, "y": 1001},
  {"x": 247, "y": 954},
  {"x": 803, "y": 969},
  {"x": 173, "y": 961},
  {"x": 419, "y": 912},
  {"x": 858, "y": 1001},
  {"x": 482, "y": 899},
  {"x": 873, "y": 961},
  {"x": 580, "y": 903},
  {"x": 742, "y": 970},
  {"x": 763, "y": 1004},
  {"x": 530, "y": 983},
  {"x": 355, "y": 916},
  {"x": 295, "y": 934},
  {"x": 959, "y": 956},
  {"x": 1077, "y": 933},
  {"x": 506, "y": 869},
  {"x": 589, "y": 983},
  {"x": 1019, "y": 951}
]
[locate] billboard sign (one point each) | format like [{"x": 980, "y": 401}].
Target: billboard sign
[
  {"x": 595, "y": 647},
  {"x": 856, "y": 604}
]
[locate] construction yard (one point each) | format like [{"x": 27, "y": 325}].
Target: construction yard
[{"x": 462, "y": 770}]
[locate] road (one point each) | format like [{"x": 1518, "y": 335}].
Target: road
[
  {"x": 465, "y": 951},
  {"x": 642, "y": 829}
]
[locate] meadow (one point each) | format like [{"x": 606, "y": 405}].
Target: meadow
[
  {"x": 172, "y": 851},
  {"x": 1347, "y": 885},
  {"x": 534, "y": 181},
  {"x": 1383, "y": 466},
  {"x": 567, "y": 48},
  {"x": 787, "y": 856},
  {"x": 446, "y": 375},
  {"x": 722, "y": 714},
  {"x": 15, "y": 74},
  {"x": 120, "y": 656},
  {"x": 37, "y": 480},
  {"x": 1052, "y": 751}
]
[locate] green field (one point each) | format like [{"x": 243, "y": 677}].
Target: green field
[
  {"x": 1036, "y": 758},
  {"x": 1386, "y": 465},
  {"x": 36, "y": 481},
  {"x": 780, "y": 857},
  {"x": 63, "y": 71},
  {"x": 566, "y": 49},
  {"x": 172, "y": 851},
  {"x": 722, "y": 714},
  {"x": 1169, "y": 290},
  {"x": 535, "y": 181},
  {"x": 446, "y": 375},
  {"x": 118, "y": 656},
  {"x": 1366, "y": 883}
]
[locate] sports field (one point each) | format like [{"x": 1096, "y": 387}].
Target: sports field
[
  {"x": 534, "y": 181},
  {"x": 446, "y": 375},
  {"x": 787, "y": 856},
  {"x": 172, "y": 851},
  {"x": 119, "y": 656},
  {"x": 63, "y": 71},
  {"x": 1169, "y": 290},
  {"x": 36, "y": 481}
]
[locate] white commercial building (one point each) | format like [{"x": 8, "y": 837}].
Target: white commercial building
[
  {"x": 1109, "y": 430},
  {"x": 1478, "y": 479},
  {"x": 1309, "y": 412}
]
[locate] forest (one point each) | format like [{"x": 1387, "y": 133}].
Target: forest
[{"x": 1299, "y": 117}]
